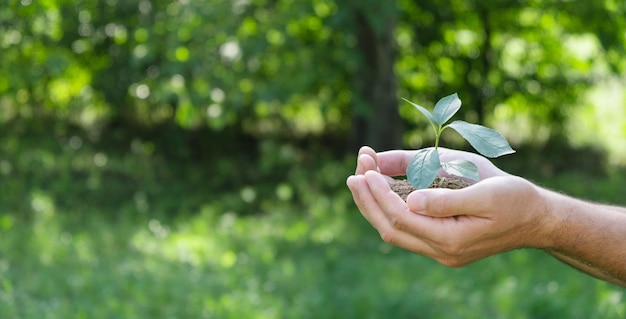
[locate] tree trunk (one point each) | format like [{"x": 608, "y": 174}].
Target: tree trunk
[
  {"x": 376, "y": 119},
  {"x": 486, "y": 53}
]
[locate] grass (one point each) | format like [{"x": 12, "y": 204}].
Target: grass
[{"x": 143, "y": 237}]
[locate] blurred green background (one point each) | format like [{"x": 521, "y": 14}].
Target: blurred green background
[{"x": 187, "y": 159}]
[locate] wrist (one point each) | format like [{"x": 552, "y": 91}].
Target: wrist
[
  {"x": 546, "y": 217},
  {"x": 560, "y": 219}
]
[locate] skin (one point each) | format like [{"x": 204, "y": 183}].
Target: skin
[{"x": 502, "y": 212}]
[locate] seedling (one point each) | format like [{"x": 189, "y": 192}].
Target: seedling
[{"x": 425, "y": 166}]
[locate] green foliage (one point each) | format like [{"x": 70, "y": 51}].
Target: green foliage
[
  {"x": 425, "y": 166},
  {"x": 278, "y": 68},
  {"x": 531, "y": 60}
]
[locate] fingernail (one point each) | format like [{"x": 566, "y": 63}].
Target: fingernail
[
  {"x": 359, "y": 164},
  {"x": 352, "y": 185},
  {"x": 416, "y": 202}
]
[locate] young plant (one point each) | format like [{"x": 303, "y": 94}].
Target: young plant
[{"x": 425, "y": 166}]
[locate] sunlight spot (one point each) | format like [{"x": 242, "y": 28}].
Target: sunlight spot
[
  {"x": 100, "y": 159},
  {"x": 583, "y": 46},
  {"x": 275, "y": 37},
  {"x": 109, "y": 29},
  {"x": 141, "y": 35},
  {"x": 228, "y": 259},
  {"x": 239, "y": 6},
  {"x": 324, "y": 236},
  {"x": 533, "y": 87},
  {"x": 248, "y": 194},
  {"x": 218, "y": 95},
  {"x": 142, "y": 91},
  {"x": 228, "y": 220},
  {"x": 84, "y": 16},
  {"x": 145, "y": 7},
  {"x": 177, "y": 81},
  {"x": 80, "y": 46},
  {"x": 466, "y": 37},
  {"x": 214, "y": 111},
  {"x": 172, "y": 9},
  {"x": 119, "y": 33},
  {"x": 22, "y": 96},
  {"x": 322, "y": 9},
  {"x": 42, "y": 204},
  {"x": 12, "y": 37},
  {"x": 246, "y": 85},
  {"x": 157, "y": 229},
  {"x": 615, "y": 297},
  {"x": 230, "y": 51},
  {"x": 76, "y": 142},
  {"x": 184, "y": 255},
  {"x": 182, "y": 54},
  {"x": 552, "y": 287},
  {"x": 284, "y": 192},
  {"x": 6, "y": 222},
  {"x": 140, "y": 51}
]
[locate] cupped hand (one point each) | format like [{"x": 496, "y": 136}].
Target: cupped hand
[{"x": 455, "y": 227}]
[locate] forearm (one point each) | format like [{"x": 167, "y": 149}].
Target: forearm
[
  {"x": 593, "y": 270},
  {"x": 590, "y": 237}
]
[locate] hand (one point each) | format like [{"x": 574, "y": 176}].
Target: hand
[{"x": 454, "y": 227}]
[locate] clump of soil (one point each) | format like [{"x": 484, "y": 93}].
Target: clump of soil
[{"x": 403, "y": 188}]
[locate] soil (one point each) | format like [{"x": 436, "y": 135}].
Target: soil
[{"x": 403, "y": 188}]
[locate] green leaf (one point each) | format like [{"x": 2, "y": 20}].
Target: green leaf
[
  {"x": 423, "y": 110},
  {"x": 446, "y": 108},
  {"x": 486, "y": 141},
  {"x": 423, "y": 168},
  {"x": 461, "y": 168}
]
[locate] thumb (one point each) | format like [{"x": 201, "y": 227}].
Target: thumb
[
  {"x": 436, "y": 202},
  {"x": 474, "y": 200}
]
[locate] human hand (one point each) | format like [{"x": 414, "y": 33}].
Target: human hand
[{"x": 454, "y": 227}]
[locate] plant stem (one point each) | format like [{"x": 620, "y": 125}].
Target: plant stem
[{"x": 438, "y": 134}]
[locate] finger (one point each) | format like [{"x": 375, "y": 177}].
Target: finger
[
  {"x": 368, "y": 151},
  {"x": 464, "y": 223},
  {"x": 400, "y": 217},
  {"x": 365, "y": 163},
  {"x": 394, "y": 163},
  {"x": 365, "y": 202},
  {"x": 388, "y": 200},
  {"x": 366, "y": 160},
  {"x": 477, "y": 200},
  {"x": 374, "y": 213}
]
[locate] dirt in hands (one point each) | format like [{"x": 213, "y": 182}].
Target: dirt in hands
[{"x": 403, "y": 188}]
